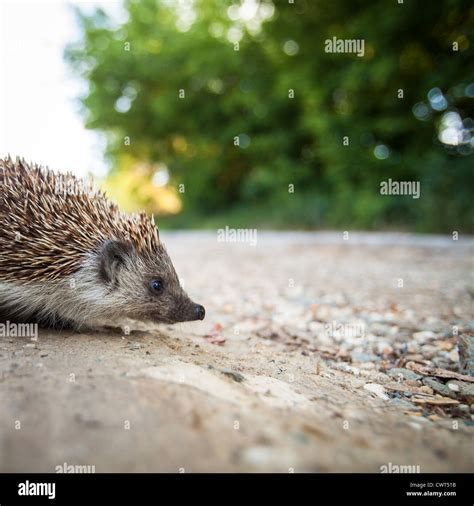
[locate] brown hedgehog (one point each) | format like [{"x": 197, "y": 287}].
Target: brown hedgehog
[{"x": 70, "y": 258}]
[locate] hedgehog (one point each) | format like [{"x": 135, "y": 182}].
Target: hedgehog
[{"x": 69, "y": 258}]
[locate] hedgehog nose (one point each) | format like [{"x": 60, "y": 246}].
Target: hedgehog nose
[{"x": 199, "y": 311}]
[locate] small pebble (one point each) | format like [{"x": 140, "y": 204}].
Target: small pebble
[
  {"x": 462, "y": 389},
  {"x": 398, "y": 372},
  {"x": 236, "y": 376},
  {"x": 376, "y": 389},
  {"x": 402, "y": 403},
  {"x": 438, "y": 387},
  {"x": 363, "y": 357}
]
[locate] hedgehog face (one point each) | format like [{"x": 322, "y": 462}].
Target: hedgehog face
[{"x": 145, "y": 287}]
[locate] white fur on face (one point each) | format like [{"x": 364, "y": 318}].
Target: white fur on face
[
  {"x": 78, "y": 299},
  {"x": 84, "y": 299}
]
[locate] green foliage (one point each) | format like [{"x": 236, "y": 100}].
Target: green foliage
[{"x": 287, "y": 140}]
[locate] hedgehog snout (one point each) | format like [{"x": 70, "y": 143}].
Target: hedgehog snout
[
  {"x": 199, "y": 311},
  {"x": 191, "y": 312}
]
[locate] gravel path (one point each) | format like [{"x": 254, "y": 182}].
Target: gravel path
[{"x": 316, "y": 354}]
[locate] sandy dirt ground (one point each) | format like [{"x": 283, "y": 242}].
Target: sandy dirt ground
[{"x": 316, "y": 354}]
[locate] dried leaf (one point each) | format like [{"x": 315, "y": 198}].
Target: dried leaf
[
  {"x": 214, "y": 335},
  {"x": 435, "y": 401},
  {"x": 440, "y": 373}
]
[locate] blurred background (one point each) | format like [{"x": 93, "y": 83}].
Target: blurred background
[{"x": 230, "y": 112}]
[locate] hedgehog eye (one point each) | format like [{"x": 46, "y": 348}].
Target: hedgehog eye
[{"x": 156, "y": 286}]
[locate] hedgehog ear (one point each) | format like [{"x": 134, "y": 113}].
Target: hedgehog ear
[{"x": 112, "y": 259}]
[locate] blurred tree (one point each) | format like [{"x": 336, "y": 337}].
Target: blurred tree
[{"x": 241, "y": 103}]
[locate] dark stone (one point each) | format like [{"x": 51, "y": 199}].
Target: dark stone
[
  {"x": 466, "y": 354},
  {"x": 236, "y": 376}
]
